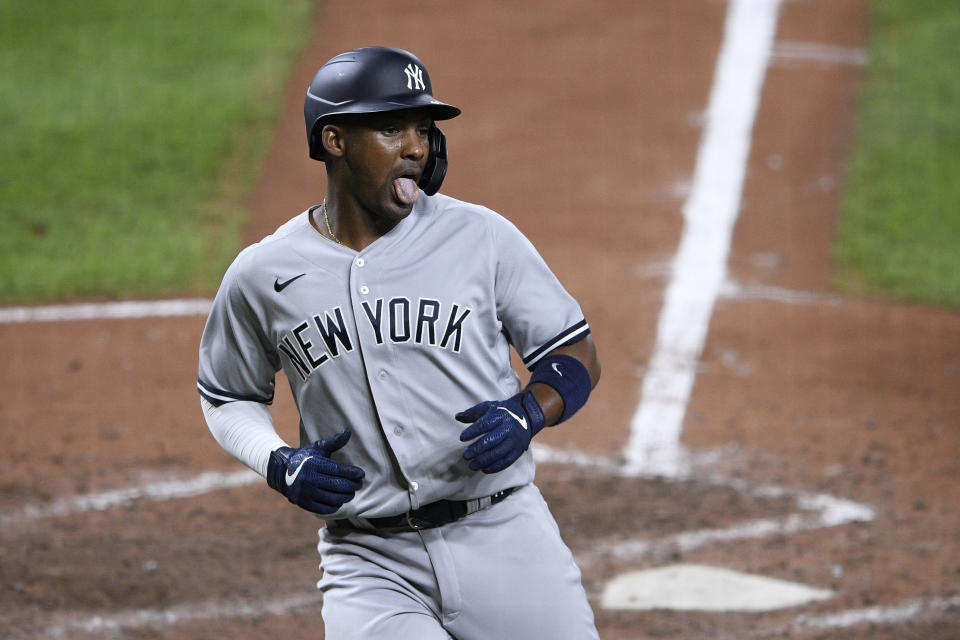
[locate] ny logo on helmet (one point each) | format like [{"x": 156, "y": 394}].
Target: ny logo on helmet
[{"x": 414, "y": 77}]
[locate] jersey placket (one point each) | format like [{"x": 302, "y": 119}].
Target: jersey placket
[{"x": 372, "y": 312}]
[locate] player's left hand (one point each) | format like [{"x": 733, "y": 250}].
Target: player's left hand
[{"x": 505, "y": 429}]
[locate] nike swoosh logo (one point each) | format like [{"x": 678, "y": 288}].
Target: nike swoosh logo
[
  {"x": 280, "y": 286},
  {"x": 522, "y": 421},
  {"x": 556, "y": 367},
  {"x": 292, "y": 477}
]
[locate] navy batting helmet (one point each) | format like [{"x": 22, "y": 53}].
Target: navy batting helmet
[{"x": 374, "y": 80}]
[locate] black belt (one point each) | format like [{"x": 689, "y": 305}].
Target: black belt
[{"x": 435, "y": 514}]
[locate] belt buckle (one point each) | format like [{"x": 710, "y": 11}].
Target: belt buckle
[{"x": 415, "y": 525}]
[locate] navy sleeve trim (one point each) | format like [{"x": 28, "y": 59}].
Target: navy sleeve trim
[
  {"x": 568, "y": 336},
  {"x": 218, "y": 397}
]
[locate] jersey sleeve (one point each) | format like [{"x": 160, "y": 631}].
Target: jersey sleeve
[
  {"x": 537, "y": 313},
  {"x": 237, "y": 361}
]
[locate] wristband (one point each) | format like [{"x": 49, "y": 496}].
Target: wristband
[{"x": 567, "y": 376}]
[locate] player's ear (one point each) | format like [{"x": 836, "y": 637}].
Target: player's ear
[{"x": 332, "y": 137}]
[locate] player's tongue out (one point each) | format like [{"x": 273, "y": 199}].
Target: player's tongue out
[{"x": 406, "y": 190}]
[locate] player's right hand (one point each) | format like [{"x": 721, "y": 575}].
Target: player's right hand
[{"x": 310, "y": 479}]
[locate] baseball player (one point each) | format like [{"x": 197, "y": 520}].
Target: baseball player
[{"x": 392, "y": 309}]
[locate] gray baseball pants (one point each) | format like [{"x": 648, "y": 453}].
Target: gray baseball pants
[{"x": 500, "y": 573}]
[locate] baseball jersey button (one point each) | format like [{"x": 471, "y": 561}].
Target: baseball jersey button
[
  {"x": 414, "y": 486},
  {"x": 383, "y": 374},
  {"x": 398, "y": 430},
  {"x": 360, "y": 262},
  {"x": 364, "y": 289}
]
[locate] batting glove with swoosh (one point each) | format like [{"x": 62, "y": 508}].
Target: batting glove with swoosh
[
  {"x": 310, "y": 479},
  {"x": 503, "y": 430}
]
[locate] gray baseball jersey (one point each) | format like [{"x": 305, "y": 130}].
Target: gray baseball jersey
[{"x": 391, "y": 342}]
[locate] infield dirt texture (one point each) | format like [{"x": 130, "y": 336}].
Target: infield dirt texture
[{"x": 818, "y": 445}]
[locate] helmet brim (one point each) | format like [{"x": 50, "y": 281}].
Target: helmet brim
[{"x": 438, "y": 110}]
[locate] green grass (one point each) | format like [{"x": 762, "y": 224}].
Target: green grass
[
  {"x": 131, "y": 134},
  {"x": 899, "y": 229}
]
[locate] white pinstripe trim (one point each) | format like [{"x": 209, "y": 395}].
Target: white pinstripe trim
[
  {"x": 227, "y": 396},
  {"x": 567, "y": 337},
  {"x": 211, "y": 394}
]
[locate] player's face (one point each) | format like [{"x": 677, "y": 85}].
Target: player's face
[{"x": 385, "y": 155}]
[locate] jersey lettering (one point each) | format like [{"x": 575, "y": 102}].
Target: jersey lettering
[
  {"x": 454, "y": 326},
  {"x": 374, "y": 317},
  {"x": 399, "y": 319},
  {"x": 427, "y": 317},
  {"x": 294, "y": 356},
  {"x": 334, "y": 331},
  {"x": 305, "y": 346}
]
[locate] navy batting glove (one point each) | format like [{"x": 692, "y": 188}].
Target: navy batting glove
[
  {"x": 504, "y": 430},
  {"x": 310, "y": 479}
]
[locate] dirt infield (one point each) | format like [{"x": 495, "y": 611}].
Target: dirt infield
[{"x": 582, "y": 125}]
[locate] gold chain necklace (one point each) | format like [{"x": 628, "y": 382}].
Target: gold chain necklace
[{"x": 326, "y": 219}]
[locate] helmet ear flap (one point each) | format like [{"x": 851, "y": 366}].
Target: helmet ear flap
[
  {"x": 436, "y": 167},
  {"x": 314, "y": 144}
]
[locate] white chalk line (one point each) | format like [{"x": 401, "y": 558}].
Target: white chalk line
[
  {"x": 733, "y": 290},
  {"x": 112, "y": 623},
  {"x": 118, "y": 310},
  {"x": 820, "y": 511},
  {"x": 170, "y": 489},
  {"x": 821, "y": 53},
  {"x": 918, "y": 609},
  {"x": 698, "y": 270}
]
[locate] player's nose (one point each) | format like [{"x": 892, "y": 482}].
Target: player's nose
[{"x": 415, "y": 144}]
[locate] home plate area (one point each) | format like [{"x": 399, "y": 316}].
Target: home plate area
[
  {"x": 706, "y": 542},
  {"x": 692, "y": 587}
]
